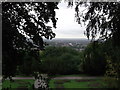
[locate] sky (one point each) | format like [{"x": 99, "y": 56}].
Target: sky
[{"x": 67, "y": 27}]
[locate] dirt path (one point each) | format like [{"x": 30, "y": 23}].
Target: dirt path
[
  {"x": 66, "y": 77},
  {"x": 23, "y": 77},
  {"x": 77, "y": 77}
]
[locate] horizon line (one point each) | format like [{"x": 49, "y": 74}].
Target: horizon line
[{"x": 67, "y": 38}]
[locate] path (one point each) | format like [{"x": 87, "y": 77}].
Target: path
[
  {"x": 66, "y": 77},
  {"x": 23, "y": 78},
  {"x": 77, "y": 77}
]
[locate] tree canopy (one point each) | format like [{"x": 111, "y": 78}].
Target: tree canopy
[
  {"x": 102, "y": 18},
  {"x": 24, "y": 24}
]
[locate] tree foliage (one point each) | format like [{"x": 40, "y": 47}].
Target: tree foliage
[
  {"x": 94, "y": 61},
  {"x": 102, "y": 18},
  {"x": 60, "y": 60},
  {"x": 27, "y": 20},
  {"x": 30, "y": 63},
  {"x": 24, "y": 24}
]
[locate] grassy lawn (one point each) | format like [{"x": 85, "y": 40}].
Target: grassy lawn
[
  {"x": 57, "y": 84},
  {"x": 26, "y": 83},
  {"x": 77, "y": 84},
  {"x": 54, "y": 83},
  {"x": 0, "y": 85}
]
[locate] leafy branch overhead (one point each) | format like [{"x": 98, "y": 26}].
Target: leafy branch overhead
[
  {"x": 25, "y": 24},
  {"x": 102, "y": 18}
]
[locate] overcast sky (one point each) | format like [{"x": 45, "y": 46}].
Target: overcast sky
[{"x": 67, "y": 27}]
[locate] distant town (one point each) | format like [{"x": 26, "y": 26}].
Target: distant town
[{"x": 77, "y": 44}]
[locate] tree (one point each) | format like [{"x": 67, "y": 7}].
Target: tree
[
  {"x": 24, "y": 26},
  {"x": 103, "y": 18},
  {"x": 94, "y": 62},
  {"x": 30, "y": 63}
]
